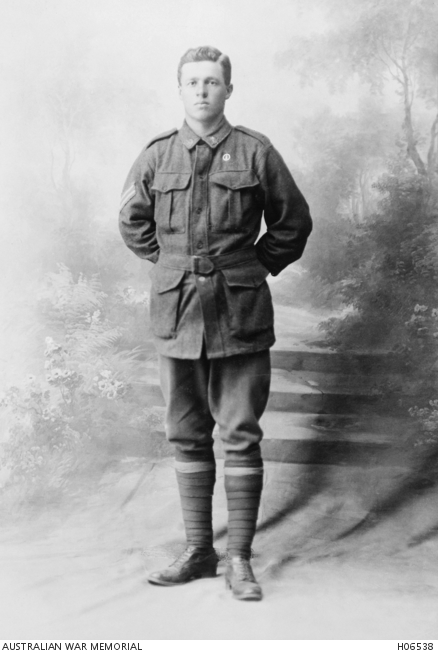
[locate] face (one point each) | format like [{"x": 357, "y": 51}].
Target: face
[{"x": 203, "y": 90}]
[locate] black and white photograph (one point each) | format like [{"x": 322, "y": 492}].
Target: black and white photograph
[{"x": 219, "y": 321}]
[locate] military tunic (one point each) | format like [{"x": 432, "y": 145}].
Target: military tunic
[{"x": 194, "y": 207}]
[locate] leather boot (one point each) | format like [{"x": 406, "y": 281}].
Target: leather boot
[
  {"x": 193, "y": 563},
  {"x": 239, "y": 577}
]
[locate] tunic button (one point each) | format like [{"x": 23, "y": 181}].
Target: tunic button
[
  {"x": 201, "y": 279},
  {"x": 199, "y": 245},
  {"x": 199, "y": 210}
]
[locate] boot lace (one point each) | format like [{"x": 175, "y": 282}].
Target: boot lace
[
  {"x": 185, "y": 556},
  {"x": 242, "y": 570}
]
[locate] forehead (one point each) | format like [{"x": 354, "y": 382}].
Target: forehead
[{"x": 202, "y": 70}]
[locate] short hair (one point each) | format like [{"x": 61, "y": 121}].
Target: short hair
[{"x": 207, "y": 53}]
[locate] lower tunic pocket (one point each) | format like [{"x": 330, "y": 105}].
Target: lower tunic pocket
[
  {"x": 248, "y": 300},
  {"x": 165, "y": 301}
]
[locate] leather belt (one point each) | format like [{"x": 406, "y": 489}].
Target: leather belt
[{"x": 205, "y": 265}]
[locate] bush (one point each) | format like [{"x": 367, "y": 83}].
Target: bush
[
  {"x": 393, "y": 272},
  {"x": 62, "y": 422},
  {"x": 427, "y": 418}
]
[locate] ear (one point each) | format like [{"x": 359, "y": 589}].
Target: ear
[
  {"x": 229, "y": 91},
  {"x": 179, "y": 91}
]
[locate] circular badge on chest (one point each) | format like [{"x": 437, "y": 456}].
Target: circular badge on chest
[{"x": 226, "y": 157}]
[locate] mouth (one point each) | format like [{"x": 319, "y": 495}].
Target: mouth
[{"x": 202, "y": 104}]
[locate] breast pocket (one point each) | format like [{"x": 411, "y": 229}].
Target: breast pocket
[
  {"x": 248, "y": 300},
  {"x": 171, "y": 201},
  {"x": 233, "y": 198}
]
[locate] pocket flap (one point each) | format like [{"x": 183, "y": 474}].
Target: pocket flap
[
  {"x": 165, "y": 182},
  {"x": 165, "y": 279},
  {"x": 251, "y": 275},
  {"x": 235, "y": 179}
]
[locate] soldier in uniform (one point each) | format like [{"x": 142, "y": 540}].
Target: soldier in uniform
[{"x": 192, "y": 204}]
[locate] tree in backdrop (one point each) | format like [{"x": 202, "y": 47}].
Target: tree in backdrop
[
  {"x": 340, "y": 157},
  {"x": 77, "y": 120},
  {"x": 386, "y": 44},
  {"x": 384, "y": 267}
]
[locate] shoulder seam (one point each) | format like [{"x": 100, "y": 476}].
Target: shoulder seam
[
  {"x": 257, "y": 135},
  {"x": 162, "y": 136}
]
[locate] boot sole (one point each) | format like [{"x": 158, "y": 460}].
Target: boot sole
[
  {"x": 256, "y": 597},
  {"x": 206, "y": 574}
]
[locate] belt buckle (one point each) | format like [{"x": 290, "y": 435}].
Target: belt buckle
[{"x": 199, "y": 268}]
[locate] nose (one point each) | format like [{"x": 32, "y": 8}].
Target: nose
[{"x": 202, "y": 90}]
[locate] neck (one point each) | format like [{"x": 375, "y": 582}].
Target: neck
[{"x": 204, "y": 129}]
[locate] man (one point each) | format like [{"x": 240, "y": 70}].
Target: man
[{"x": 192, "y": 204}]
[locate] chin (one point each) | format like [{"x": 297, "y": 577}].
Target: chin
[{"x": 204, "y": 114}]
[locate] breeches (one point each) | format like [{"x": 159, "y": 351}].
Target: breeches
[{"x": 231, "y": 392}]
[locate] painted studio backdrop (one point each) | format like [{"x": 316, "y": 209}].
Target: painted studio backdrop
[{"x": 347, "y": 91}]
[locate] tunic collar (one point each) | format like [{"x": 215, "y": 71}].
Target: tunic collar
[{"x": 190, "y": 139}]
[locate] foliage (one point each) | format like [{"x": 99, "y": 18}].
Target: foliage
[
  {"x": 391, "y": 283},
  {"x": 427, "y": 418},
  {"x": 42, "y": 450},
  {"x": 66, "y": 422}
]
